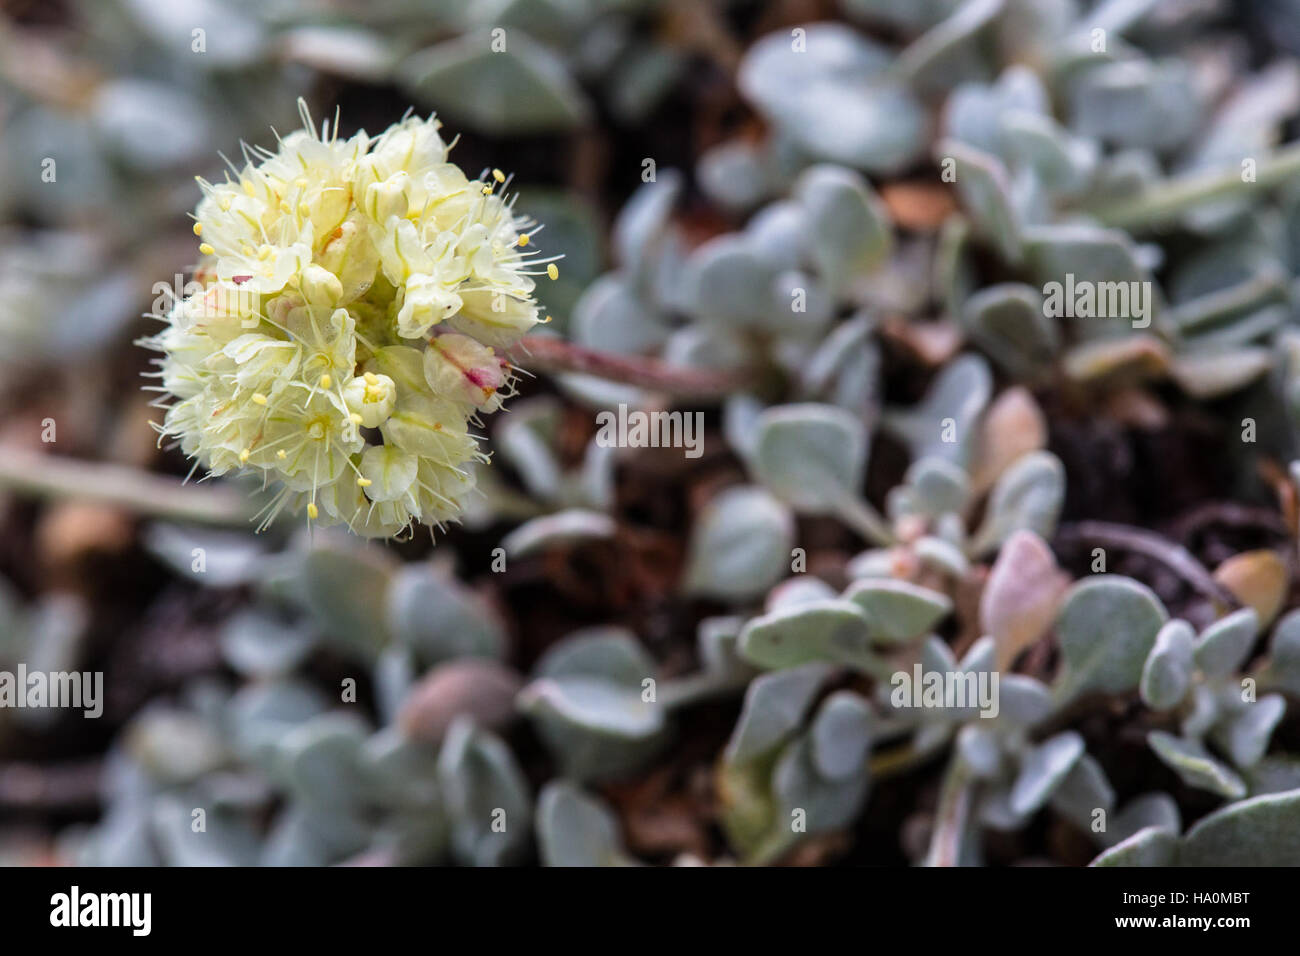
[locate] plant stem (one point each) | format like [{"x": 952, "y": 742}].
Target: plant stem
[
  {"x": 546, "y": 354},
  {"x": 1165, "y": 201},
  {"x": 951, "y": 816},
  {"x": 865, "y": 520},
  {"x": 1141, "y": 541},
  {"x": 52, "y": 476}
]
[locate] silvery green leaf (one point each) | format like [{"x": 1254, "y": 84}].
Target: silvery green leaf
[
  {"x": 1007, "y": 321},
  {"x": 804, "y": 305},
  {"x": 1225, "y": 644},
  {"x": 322, "y": 759},
  {"x": 973, "y": 111},
  {"x": 1260, "y": 831},
  {"x": 346, "y": 51},
  {"x": 594, "y": 487},
  {"x": 1245, "y": 734},
  {"x": 218, "y": 559},
  {"x": 1274, "y": 774},
  {"x": 239, "y": 41},
  {"x": 840, "y": 343},
  {"x": 1156, "y": 809},
  {"x": 834, "y": 97},
  {"x": 1193, "y": 763},
  {"x": 610, "y": 317},
  {"x": 227, "y": 840},
  {"x": 1136, "y": 103},
  {"x": 574, "y": 526},
  {"x": 639, "y": 231},
  {"x": 980, "y": 749},
  {"x": 735, "y": 174},
  {"x": 1044, "y": 769},
  {"x": 948, "y": 53},
  {"x": 828, "y": 803},
  {"x": 1154, "y": 846},
  {"x": 938, "y": 486},
  {"x": 589, "y": 703},
  {"x": 438, "y": 618},
  {"x": 873, "y": 563},
  {"x": 1284, "y": 654},
  {"x": 1089, "y": 253},
  {"x": 174, "y": 746},
  {"x": 709, "y": 347},
  {"x": 1023, "y": 701},
  {"x": 399, "y": 771},
  {"x": 641, "y": 78},
  {"x": 840, "y": 735},
  {"x": 940, "y": 555},
  {"x": 1084, "y": 791},
  {"x": 1167, "y": 673},
  {"x": 779, "y": 233},
  {"x": 849, "y": 232},
  {"x": 897, "y": 611},
  {"x": 937, "y": 656},
  {"x": 985, "y": 188},
  {"x": 1203, "y": 712},
  {"x": 524, "y": 440},
  {"x": 260, "y": 715},
  {"x": 150, "y": 126},
  {"x": 994, "y": 810},
  {"x": 1210, "y": 375},
  {"x": 522, "y": 89},
  {"x": 775, "y": 706},
  {"x": 295, "y": 840},
  {"x": 487, "y": 796},
  {"x": 1063, "y": 163},
  {"x": 905, "y": 16},
  {"x": 826, "y": 630},
  {"x": 345, "y": 592},
  {"x": 726, "y": 282},
  {"x": 1107, "y": 625},
  {"x": 715, "y": 640},
  {"x": 943, "y": 423},
  {"x": 796, "y": 591},
  {"x": 810, "y": 456},
  {"x": 611, "y": 652},
  {"x": 740, "y": 417},
  {"x": 1027, "y": 497},
  {"x": 258, "y": 645},
  {"x": 980, "y": 657},
  {"x": 576, "y": 829}
]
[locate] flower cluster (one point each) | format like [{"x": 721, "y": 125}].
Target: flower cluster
[{"x": 355, "y": 296}]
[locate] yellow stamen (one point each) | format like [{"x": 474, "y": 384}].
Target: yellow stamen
[
  {"x": 198, "y": 229},
  {"x": 281, "y": 455},
  {"x": 553, "y": 271},
  {"x": 259, "y": 398},
  {"x": 326, "y": 381},
  {"x": 487, "y": 190},
  {"x": 206, "y": 249},
  {"x": 243, "y": 456},
  {"x": 364, "y": 482},
  {"x": 498, "y": 175},
  {"x": 248, "y": 187},
  {"x": 523, "y": 240},
  {"x": 312, "y": 511},
  {"x": 356, "y": 419}
]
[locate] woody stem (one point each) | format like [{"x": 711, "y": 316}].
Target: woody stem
[{"x": 555, "y": 355}]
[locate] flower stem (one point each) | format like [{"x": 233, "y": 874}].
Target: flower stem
[
  {"x": 951, "y": 818},
  {"x": 52, "y": 476},
  {"x": 1165, "y": 201},
  {"x": 547, "y": 354}
]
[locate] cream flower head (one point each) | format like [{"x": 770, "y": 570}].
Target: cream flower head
[{"x": 355, "y": 298}]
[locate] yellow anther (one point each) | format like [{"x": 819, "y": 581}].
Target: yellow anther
[
  {"x": 285, "y": 207},
  {"x": 355, "y": 418},
  {"x": 487, "y": 190},
  {"x": 259, "y": 398},
  {"x": 371, "y": 378},
  {"x": 498, "y": 175},
  {"x": 224, "y": 203},
  {"x": 312, "y": 511},
  {"x": 243, "y": 456},
  {"x": 304, "y": 209},
  {"x": 248, "y": 187},
  {"x": 545, "y": 320},
  {"x": 265, "y": 253},
  {"x": 523, "y": 240},
  {"x": 364, "y": 482},
  {"x": 198, "y": 229},
  {"x": 281, "y": 455},
  {"x": 553, "y": 271},
  {"x": 206, "y": 249},
  {"x": 326, "y": 381}
]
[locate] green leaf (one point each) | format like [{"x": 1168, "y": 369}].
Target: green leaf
[
  {"x": 1043, "y": 769},
  {"x": 898, "y": 611},
  {"x": 1260, "y": 831},
  {"x": 841, "y": 735},
  {"x": 810, "y": 456},
  {"x": 1107, "y": 626},
  {"x": 1193, "y": 763},
  {"x": 775, "y": 705},
  {"x": 1225, "y": 644},
  {"x": 576, "y": 829},
  {"x": 740, "y": 545},
  {"x": 1167, "y": 673},
  {"x": 487, "y": 797},
  {"x": 1027, "y": 497},
  {"x": 1154, "y": 846},
  {"x": 823, "y": 630},
  {"x": 848, "y": 227}
]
